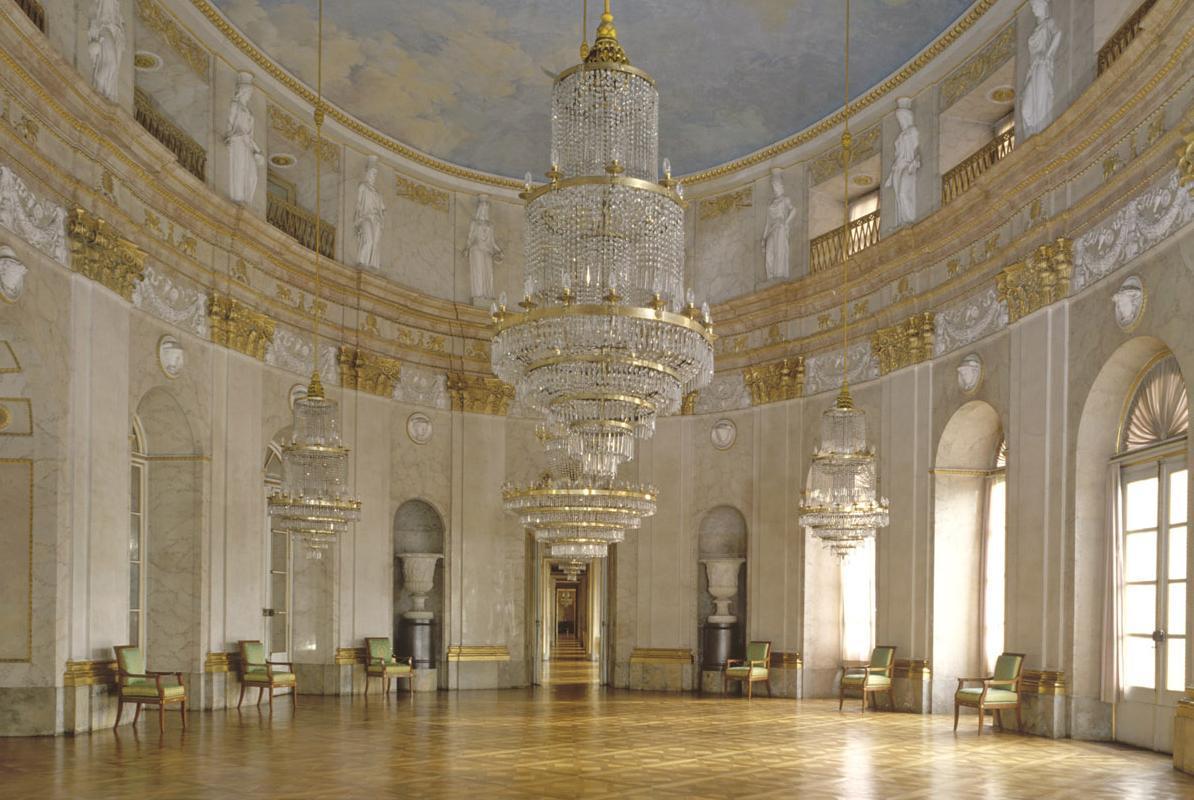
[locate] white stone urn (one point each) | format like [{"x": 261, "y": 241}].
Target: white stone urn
[
  {"x": 418, "y": 576},
  {"x": 723, "y": 585}
]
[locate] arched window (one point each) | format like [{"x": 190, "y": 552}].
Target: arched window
[
  {"x": 994, "y": 563},
  {"x": 137, "y": 555},
  {"x": 277, "y": 619},
  {"x": 1152, "y": 523}
]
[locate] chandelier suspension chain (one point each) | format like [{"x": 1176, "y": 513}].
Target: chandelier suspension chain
[
  {"x": 318, "y": 114},
  {"x": 847, "y": 157}
]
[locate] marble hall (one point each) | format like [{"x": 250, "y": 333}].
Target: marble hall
[{"x": 593, "y": 398}]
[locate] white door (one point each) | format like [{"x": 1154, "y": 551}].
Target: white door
[{"x": 1154, "y": 602}]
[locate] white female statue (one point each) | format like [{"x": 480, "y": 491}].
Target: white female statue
[
  {"x": 483, "y": 250},
  {"x": 906, "y": 164},
  {"x": 1036, "y": 107},
  {"x": 105, "y": 44},
  {"x": 244, "y": 156},
  {"x": 775, "y": 234},
  {"x": 368, "y": 218}
]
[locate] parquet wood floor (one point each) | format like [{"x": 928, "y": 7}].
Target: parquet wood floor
[
  {"x": 568, "y": 742},
  {"x": 569, "y": 664}
]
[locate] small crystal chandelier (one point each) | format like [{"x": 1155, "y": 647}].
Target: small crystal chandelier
[
  {"x": 607, "y": 339},
  {"x": 840, "y": 504},
  {"x": 313, "y": 501}
]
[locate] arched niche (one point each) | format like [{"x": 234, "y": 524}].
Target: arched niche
[
  {"x": 173, "y": 510},
  {"x": 721, "y": 534},
  {"x": 418, "y": 529},
  {"x": 1097, "y": 443},
  {"x": 965, "y": 464}
]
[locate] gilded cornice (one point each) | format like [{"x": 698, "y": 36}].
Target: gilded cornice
[
  {"x": 89, "y": 673},
  {"x": 775, "y": 382},
  {"x": 194, "y": 54},
  {"x": 981, "y": 66},
  {"x": 479, "y": 394},
  {"x": 98, "y": 252},
  {"x": 1038, "y": 281},
  {"x": 908, "y": 342},
  {"x": 238, "y": 327},
  {"x": 368, "y": 372}
]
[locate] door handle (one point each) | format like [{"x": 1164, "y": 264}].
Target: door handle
[{"x": 1159, "y": 636}]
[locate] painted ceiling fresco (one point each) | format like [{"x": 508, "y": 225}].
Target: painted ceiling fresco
[{"x": 469, "y": 81}]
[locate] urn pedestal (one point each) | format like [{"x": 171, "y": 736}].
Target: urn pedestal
[
  {"x": 418, "y": 578},
  {"x": 723, "y": 585}
]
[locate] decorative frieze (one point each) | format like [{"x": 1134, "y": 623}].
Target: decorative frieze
[
  {"x": 718, "y": 206},
  {"x": 824, "y": 371},
  {"x": 303, "y": 137},
  {"x": 159, "y": 20},
  {"x": 423, "y": 195},
  {"x": 1185, "y": 162},
  {"x": 368, "y": 372},
  {"x": 1038, "y": 281},
  {"x": 1040, "y": 681},
  {"x": 863, "y": 146},
  {"x": 183, "y": 306},
  {"x": 774, "y": 382},
  {"x": 479, "y": 394},
  {"x": 981, "y": 66},
  {"x": 89, "y": 673},
  {"x": 968, "y": 321},
  {"x": 726, "y": 392},
  {"x": 38, "y": 221},
  {"x": 238, "y": 327},
  {"x": 908, "y": 342},
  {"x": 98, "y": 252}
]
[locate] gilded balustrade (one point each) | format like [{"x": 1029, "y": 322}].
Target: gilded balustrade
[
  {"x": 189, "y": 153},
  {"x": 299, "y": 224},
  {"x": 35, "y": 12},
  {"x": 959, "y": 179},
  {"x": 826, "y": 249},
  {"x": 1123, "y": 37}
]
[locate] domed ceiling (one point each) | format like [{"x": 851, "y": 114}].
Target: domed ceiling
[{"x": 468, "y": 81}]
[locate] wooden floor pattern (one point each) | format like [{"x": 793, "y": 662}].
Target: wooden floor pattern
[
  {"x": 569, "y": 664},
  {"x": 570, "y": 742}
]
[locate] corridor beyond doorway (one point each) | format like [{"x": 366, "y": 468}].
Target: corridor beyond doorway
[{"x": 569, "y": 664}]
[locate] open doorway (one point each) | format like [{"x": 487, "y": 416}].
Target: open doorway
[{"x": 571, "y": 609}]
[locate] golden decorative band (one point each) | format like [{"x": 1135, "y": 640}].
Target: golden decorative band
[
  {"x": 603, "y": 359},
  {"x": 89, "y": 673},
  {"x": 661, "y": 655},
  {"x": 221, "y": 661},
  {"x": 478, "y": 652},
  {"x": 1041, "y": 681},
  {"x": 605, "y": 180},
  {"x": 511, "y": 318},
  {"x": 605, "y": 66},
  {"x": 350, "y": 655},
  {"x": 912, "y": 668}
]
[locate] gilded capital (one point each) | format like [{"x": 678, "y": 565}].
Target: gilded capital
[
  {"x": 908, "y": 342},
  {"x": 238, "y": 327},
  {"x": 98, "y": 252},
  {"x": 1040, "y": 280},
  {"x": 479, "y": 394},
  {"x": 779, "y": 380},
  {"x": 368, "y": 372}
]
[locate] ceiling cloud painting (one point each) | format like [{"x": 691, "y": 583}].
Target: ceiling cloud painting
[{"x": 468, "y": 81}]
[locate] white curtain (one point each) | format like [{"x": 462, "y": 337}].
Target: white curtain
[
  {"x": 1112, "y": 652},
  {"x": 858, "y": 602}
]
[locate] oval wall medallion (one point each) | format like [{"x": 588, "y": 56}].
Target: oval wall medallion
[
  {"x": 723, "y": 433},
  {"x": 418, "y": 428},
  {"x": 970, "y": 373},
  {"x": 171, "y": 357},
  {"x": 1128, "y": 302}
]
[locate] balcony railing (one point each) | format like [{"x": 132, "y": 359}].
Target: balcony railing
[
  {"x": 190, "y": 155},
  {"x": 299, "y": 224},
  {"x": 826, "y": 249},
  {"x": 1123, "y": 37},
  {"x": 959, "y": 179},
  {"x": 35, "y": 12}
]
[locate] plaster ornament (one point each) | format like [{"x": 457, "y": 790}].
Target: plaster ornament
[
  {"x": 171, "y": 357},
  {"x": 1036, "y": 101},
  {"x": 39, "y": 222},
  {"x": 12, "y": 275},
  {"x": 905, "y": 165},
  {"x": 775, "y": 234},
  {"x": 970, "y": 373},
  {"x": 367, "y": 220},
  {"x": 244, "y": 156},
  {"x": 105, "y": 45},
  {"x": 1128, "y": 302},
  {"x": 183, "y": 306},
  {"x": 482, "y": 250},
  {"x": 418, "y": 428},
  {"x": 968, "y": 321},
  {"x": 723, "y": 585},
  {"x": 723, "y": 434}
]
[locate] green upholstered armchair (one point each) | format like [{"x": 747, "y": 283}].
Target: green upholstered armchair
[
  {"x": 257, "y": 670},
  {"x": 871, "y": 679},
  {"x": 381, "y": 663},
  {"x": 750, "y": 670},
  {"x": 999, "y": 692},
  {"x": 139, "y": 685}
]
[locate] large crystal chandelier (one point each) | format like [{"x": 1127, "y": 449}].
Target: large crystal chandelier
[
  {"x": 607, "y": 340},
  {"x": 840, "y": 504},
  {"x": 314, "y": 502}
]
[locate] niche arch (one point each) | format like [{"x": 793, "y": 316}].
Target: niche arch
[
  {"x": 418, "y": 528},
  {"x": 721, "y": 534}
]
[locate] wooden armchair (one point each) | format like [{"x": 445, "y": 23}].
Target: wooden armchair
[
  {"x": 872, "y": 679},
  {"x": 998, "y": 693},
  {"x": 257, "y": 670},
  {"x": 136, "y": 684},
  {"x": 750, "y": 670},
  {"x": 382, "y": 663}
]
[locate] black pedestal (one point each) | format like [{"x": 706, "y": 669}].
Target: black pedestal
[
  {"x": 415, "y": 642},
  {"x": 718, "y": 644}
]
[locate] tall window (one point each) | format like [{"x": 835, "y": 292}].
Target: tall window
[
  {"x": 137, "y": 538},
  {"x": 994, "y": 569},
  {"x": 858, "y": 602},
  {"x": 277, "y": 620},
  {"x": 1153, "y": 500}
]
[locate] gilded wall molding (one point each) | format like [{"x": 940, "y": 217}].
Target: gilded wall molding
[
  {"x": 1185, "y": 162},
  {"x": 347, "y": 656},
  {"x": 89, "y": 673},
  {"x": 829, "y": 163},
  {"x": 789, "y": 660},
  {"x": 1040, "y": 280},
  {"x": 479, "y": 394},
  {"x": 419, "y": 193},
  {"x": 981, "y": 66},
  {"x": 916, "y": 669},
  {"x": 98, "y": 252},
  {"x": 715, "y": 207},
  {"x": 1041, "y": 681},
  {"x": 368, "y": 372},
  {"x": 157, "y": 19},
  {"x": 221, "y": 661},
  {"x": 235, "y": 326},
  {"x": 303, "y": 137},
  {"x": 688, "y": 403},
  {"x": 774, "y": 382},
  {"x": 908, "y": 342},
  {"x": 478, "y": 652},
  {"x": 661, "y": 655}
]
